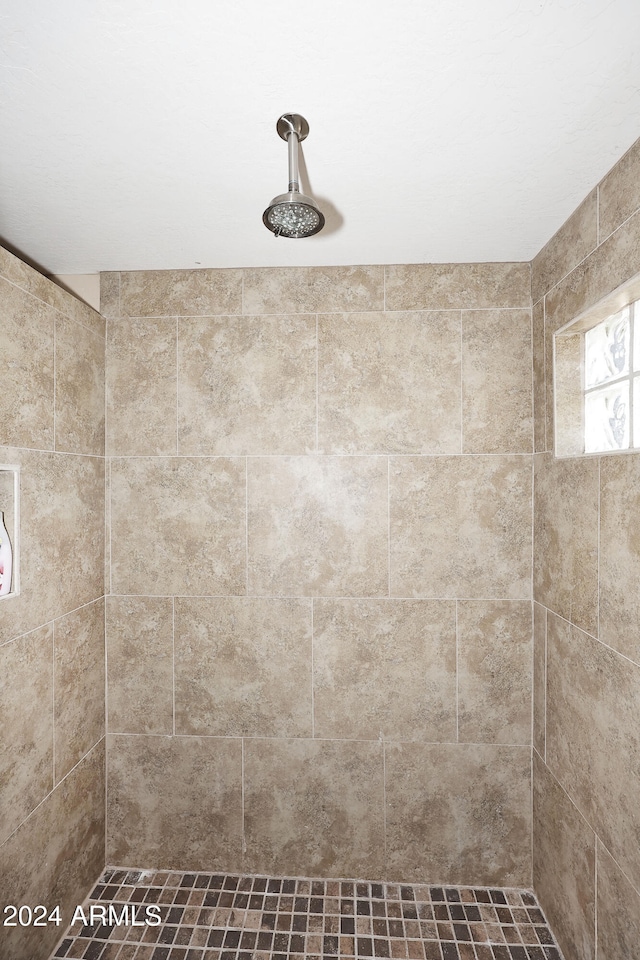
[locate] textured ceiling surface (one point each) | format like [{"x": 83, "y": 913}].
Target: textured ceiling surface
[{"x": 141, "y": 135}]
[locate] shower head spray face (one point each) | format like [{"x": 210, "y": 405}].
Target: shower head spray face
[{"x": 292, "y": 214}]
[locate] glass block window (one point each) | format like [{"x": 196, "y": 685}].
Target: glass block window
[{"x": 611, "y": 413}]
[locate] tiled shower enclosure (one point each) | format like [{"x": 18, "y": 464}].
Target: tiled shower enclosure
[{"x": 309, "y": 523}]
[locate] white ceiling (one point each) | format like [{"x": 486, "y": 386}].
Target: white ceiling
[{"x": 140, "y": 134}]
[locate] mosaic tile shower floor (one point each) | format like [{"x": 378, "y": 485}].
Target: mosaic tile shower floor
[{"x": 206, "y": 916}]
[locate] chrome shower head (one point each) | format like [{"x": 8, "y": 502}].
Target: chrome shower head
[{"x": 292, "y": 214}]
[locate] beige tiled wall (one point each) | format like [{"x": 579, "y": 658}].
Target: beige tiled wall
[
  {"x": 52, "y": 717},
  {"x": 319, "y": 629},
  {"x": 586, "y": 587}
]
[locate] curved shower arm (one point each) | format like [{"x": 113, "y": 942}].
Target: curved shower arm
[{"x": 292, "y": 143}]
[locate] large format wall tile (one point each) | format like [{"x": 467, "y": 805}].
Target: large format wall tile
[
  {"x": 313, "y": 289},
  {"x": 618, "y": 911},
  {"x": 26, "y": 721},
  {"x": 79, "y": 399},
  {"x": 243, "y": 667},
  {"x": 593, "y": 736},
  {"x": 141, "y": 387},
  {"x": 178, "y": 526},
  {"x": 460, "y": 526},
  {"x": 620, "y": 191},
  {"x": 458, "y": 813},
  {"x": 55, "y": 857},
  {"x": 620, "y": 554},
  {"x": 575, "y": 240},
  {"x": 563, "y": 866},
  {"x": 26, "y": 369},
  {"x": 79, "y": 683},
  {"x": 29, "y": 281},
  {"x": 318, "y": 526},
  {"x": 565, "y": 570},
  {"x": 389, "y": 383},
  {"x": 247, "y": 385},
  {"x": 180, "y": 293},
  {"x": 451, "y": 286},
  {"x": 314, "y": 808},
  {"x": 175, "y": 802},
  {"x": 494, "y": 671},
  {"x": 497, "y": 414},
  {"x": 385, "y": 668},
  {"x": 140, "y": 664},
  {"x": 62, "y": 538}
]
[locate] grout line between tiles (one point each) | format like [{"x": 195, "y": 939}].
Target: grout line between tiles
[
  {"x": 298, "y": 739},
  {"x": 106, "y": 732},
  {"x": 53, "y": 790},
  {"x": 598, "y": 215},
  {"x": 461, "y": 392}
]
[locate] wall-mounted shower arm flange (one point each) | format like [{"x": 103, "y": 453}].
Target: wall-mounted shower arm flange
[{"x": 292, "y": 123}]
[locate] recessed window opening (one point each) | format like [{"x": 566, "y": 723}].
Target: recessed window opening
[
  {"x": 612, "y": 382},
  {"x": 596, "y": 377}
]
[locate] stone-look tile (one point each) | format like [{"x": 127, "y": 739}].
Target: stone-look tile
[
  {"x": 174, "y": 802},
  {"x": 62, "y": 538},
  {"x": 110, "y": 294},
  {"x": 620, "y": 554},
  {"x": 78, "y": 685},
  {"x": 458, "y": 813},
  {"x": 618, "y": 910},
  {"x": 385, "y": 669},
  {"x": 593, "y": 736},
  {"x": 32, "y": 282},
  {"x": 620, "y": 191},
  {"x": 26, "y": 369},
  {"x": 314, "y": 807},
  {"x": 140, "y": 664},
  {"x": 574, "y": 241},
  {"x": 55, "y": 857},
  {"x": 247, "y": 385},
  {"x": 494, "y": 671},
  {"x": 539, "y": 379},
  {"x": 318, "y": 526},
  {"x": 313, "y": 289},
  {"x": 180, "y": 293},
  {"x": 452, "y": 286},
  {"x": 243, "y": 667},
  {"x": 497, "y": 415},
  {"x": 610, "y": 265},
  {"x": 79, "y": 400},
  {"x": 460, "y": 527},
  {"x": 539, "y": 679},
  {"x": 178, "y": 526},
  {"x": 389, "y": 383},
  {"x": 26, "y": 721},
  {"x": 565, "y": 567},
  {"x": 563, "y": 866},
  {"x": 141, "y": 387}
]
